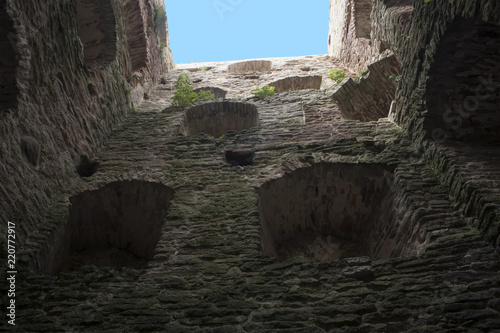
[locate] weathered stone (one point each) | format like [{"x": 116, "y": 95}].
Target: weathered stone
[
  {"x": 31, "y": 149},
  {"x": 297, "y": 83},
  {"x": 369, "y": 97},
  {"x": 218, "y": 92},
  {"x": 250, "y": 66},
  {"x": 202, "y": 267},
  {"x": 217, "y": 118}
]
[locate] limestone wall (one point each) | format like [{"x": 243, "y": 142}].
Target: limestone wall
[{"x": 67, "y": 79}]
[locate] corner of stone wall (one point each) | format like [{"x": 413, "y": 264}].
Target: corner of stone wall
[{"x": 66, "y": 94}]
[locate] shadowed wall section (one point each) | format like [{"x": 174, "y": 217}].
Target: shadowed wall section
[
  {"x": 118, "y": 225},
  {"x": 219, "y": 118},
  {"x": 331, "y": 211},
  {"x": 136, "y": 33},
  {"x": 463, "y": 90},
  {"x": 369, "y": 97},
  {"x": 8, "y": 61},
  {"x": 97, "y": 31}
]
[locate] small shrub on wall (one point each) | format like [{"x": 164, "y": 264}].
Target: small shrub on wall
[
  {"x": 264, "y": 91},
  {"x": 336, "y": 75},
  {"x": 184, "y": 94}
]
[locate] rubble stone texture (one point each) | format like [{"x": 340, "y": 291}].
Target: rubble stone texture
[{"x": 321, "y": 214}]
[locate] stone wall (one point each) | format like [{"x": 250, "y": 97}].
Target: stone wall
[
  {"x": 351, "y": 40},
  {"x": 369, "y": 96},
  {"x": 336, "y": 225},
  {"x": 67, "y": 81},
  {"x": 419, "y": 263},
  {"x": 445, "y": 100}
]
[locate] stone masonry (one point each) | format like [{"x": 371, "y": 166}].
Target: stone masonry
[{"x": 313, "y": 210}]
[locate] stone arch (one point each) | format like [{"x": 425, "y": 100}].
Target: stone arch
[
  {"x": 330, "y": 211},
  {"x": 97, "y": 31},
  {"x": 218, "y": 92},
  {"x": 463, "y": 90},
  {"x": 297, "y": 83},
  {"x": 250, "y": 66},
  {"x": 361, "y": 13},
  {"x": 218, "y": 118},
  {"x": 117, "y": 225},
  {"x": 8, "y": 61},
  {"x": 136, "y": 26}
]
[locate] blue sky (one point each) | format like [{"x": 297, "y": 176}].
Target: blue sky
[{"x": 220, "y": 30}]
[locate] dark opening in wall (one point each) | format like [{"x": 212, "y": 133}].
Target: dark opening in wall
[
  {"x": 297, "y": 83},
  {"x": 331, "y": 211},
  {"x": 8, "y": 61},
  {"x": 250, "y": 66},
  {"x": 118, "y": 225},
  {"x": 362, "y": 11},
  {"x": 463, "y": 89},
  {"x": 218, "y": 118},
  {"x": 97, "y": 31},
  {"x": 136, "y": 33},
  {"x": 218, "y": 92},
  {"x": 86, "y": 167}
]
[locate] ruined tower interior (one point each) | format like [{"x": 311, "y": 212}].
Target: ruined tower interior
[{"x": 368, "y": 205}]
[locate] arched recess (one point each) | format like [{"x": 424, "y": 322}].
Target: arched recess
[
  {"x": 118, "y": 225},
  {"x": 97, "y": 31},
  {"x": 463, "y": 89},
  {"x": 361, "y": 11},
  {"x": 136, "y": 25},
  {"x": 293, "y": 83},
  {"x": 250, "y": 66},
  {"x": 330, "y": 211},
  {"x": 8, "y": 61},
  {"x": 218, "y": 92},
  {"x": 218, "y": 118}
]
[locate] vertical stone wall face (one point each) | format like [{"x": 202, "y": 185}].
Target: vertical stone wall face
[
  {"x": 447, "y": 92},
  {"x": 64, "y": 87},
  {"x": 369, "y": 97},
  {"x": 136, "y": 23},
  {"x": 8, "y": 61},
  {"x": 339, "y": 17},
  {"x": 97, "y": 31},
  {"x": 351, "y": 40}
]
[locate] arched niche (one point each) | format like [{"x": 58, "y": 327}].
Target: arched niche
[
  {"x": 136, "y": 27},
  {"x": 218, "y": 118},
  {"x": 117, "y": 225},
  {"x": 297, "y": 83},
  {"x": 330, "y": 211},
  {"x": 97, "y": 31}
]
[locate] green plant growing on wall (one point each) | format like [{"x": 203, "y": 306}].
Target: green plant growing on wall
[
  {"x": 426, "y": 2},
  {"x": 364, "y": 71},
  {"x": 203, "y": 69},
  {"x": 184, "y": 94},
  {"x": 396, "y": 78},
  {"x": 263, "y": 92},
  {"x": 336, "y": 75}
]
